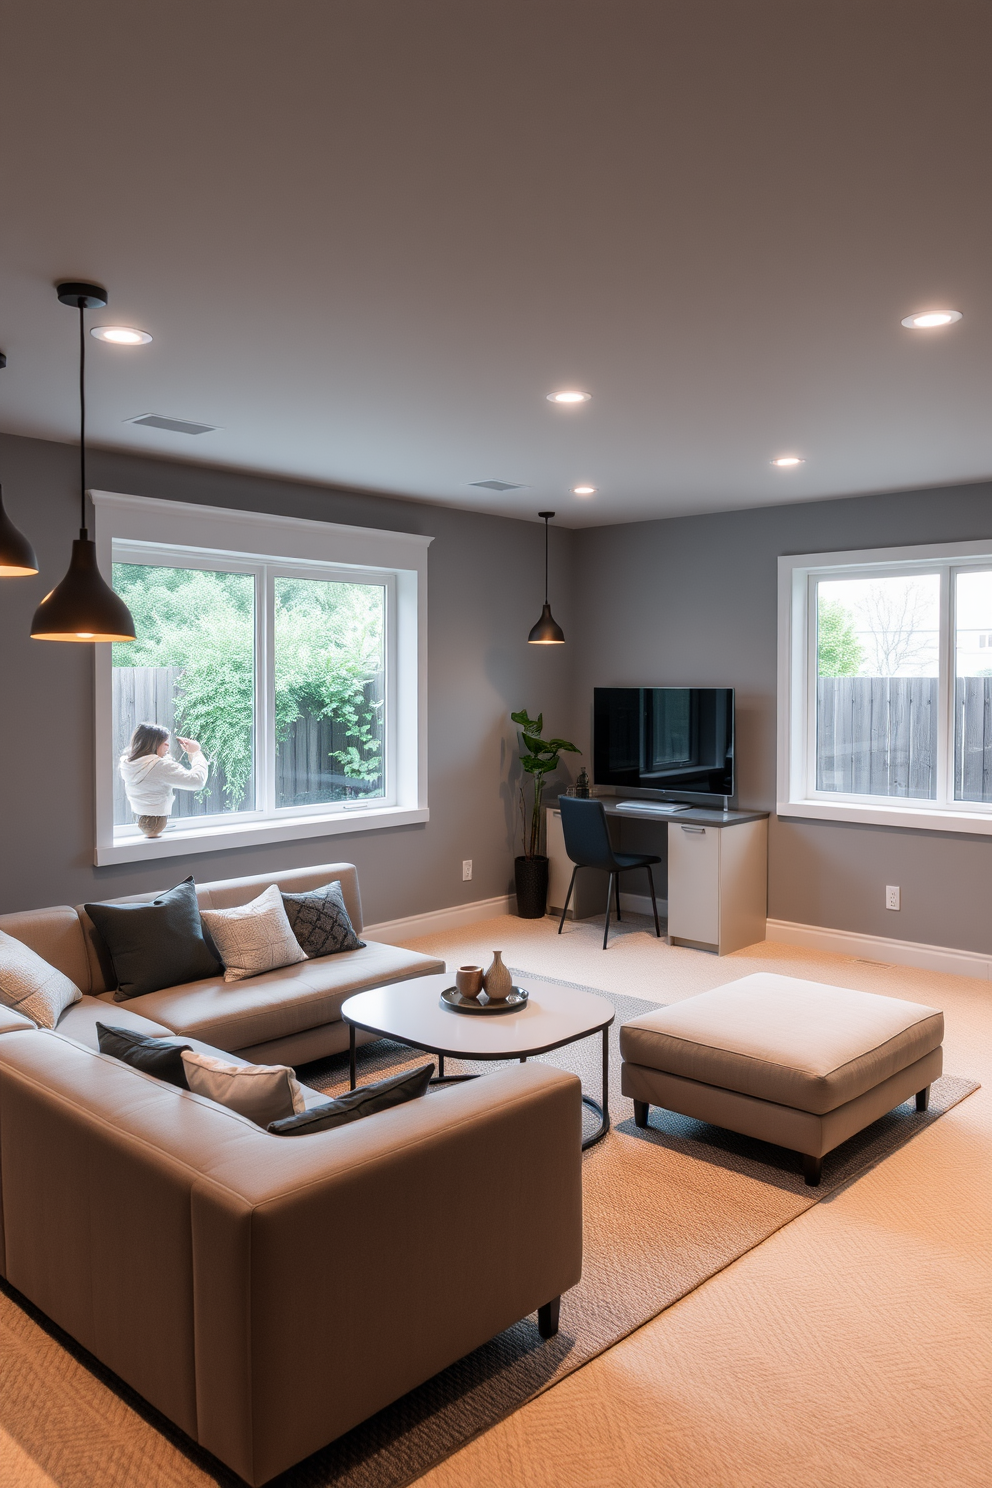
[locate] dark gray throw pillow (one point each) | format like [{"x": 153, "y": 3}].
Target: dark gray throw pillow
[
  {"x": 365, "y": 1101},
  {"x": 156, "y": 945},
  {"x": 320, "y": 921},
  {"x": 164, "y": 1061}
]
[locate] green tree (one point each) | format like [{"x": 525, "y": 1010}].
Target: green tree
[{"x": 839, "y": 652}]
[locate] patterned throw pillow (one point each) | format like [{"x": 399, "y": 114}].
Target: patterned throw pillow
[
  {"x": 254, "y": 937},
  {"x": 320, "y": 921},
  {"x": 32, "y": 987}
]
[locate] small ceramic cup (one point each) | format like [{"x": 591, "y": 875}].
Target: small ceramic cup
[{"x": 468, "y": 980}]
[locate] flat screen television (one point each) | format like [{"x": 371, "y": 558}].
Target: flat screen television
[{"x": 665, "y": 739}]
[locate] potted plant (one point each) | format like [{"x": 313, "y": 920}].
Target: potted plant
[{"x": 541, "y": 757}]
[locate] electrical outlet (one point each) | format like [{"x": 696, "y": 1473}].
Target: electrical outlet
[
  {"x": 892, "y": 896},
  {"x": 467, "y": 871}
]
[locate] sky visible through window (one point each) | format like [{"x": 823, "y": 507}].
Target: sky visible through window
[{"x": 890, "y": 626}]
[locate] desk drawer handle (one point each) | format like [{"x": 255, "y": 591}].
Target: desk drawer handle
[{"x": 700, "y": 830}]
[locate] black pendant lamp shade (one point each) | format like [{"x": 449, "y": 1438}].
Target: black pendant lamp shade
[
  {"x": 547, "y": 631},
  {"x": 16, "y": 553},
  {"x": 83, "y": 607}
]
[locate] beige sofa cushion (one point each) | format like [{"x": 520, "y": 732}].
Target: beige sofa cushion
[
  {"x": 238, "y": 1015},
  {"x": 57, "y": 937},
  {"x": 79, "y": 1021},
  {"x": 801, "y": 1044},
  {"x": 13, "y": 1022}
]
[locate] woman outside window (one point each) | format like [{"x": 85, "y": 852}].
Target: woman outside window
[{"x": 151, "y": 778}]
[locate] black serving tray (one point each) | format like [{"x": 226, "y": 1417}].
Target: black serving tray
[{"x": 453, "y": 1000}]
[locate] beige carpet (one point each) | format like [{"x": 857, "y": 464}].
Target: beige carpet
[{"x": 849, "y": 1341}]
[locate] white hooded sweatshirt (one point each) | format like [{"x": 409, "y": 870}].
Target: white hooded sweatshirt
[{"x": 149, "y": 781}]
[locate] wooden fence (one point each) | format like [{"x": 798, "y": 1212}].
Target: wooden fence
[
  {"x": 877, "y": 736},
  {"x": 306, "y": 773}
]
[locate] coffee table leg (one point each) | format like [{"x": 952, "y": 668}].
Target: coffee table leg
[
  {"x": 602, "y": 1111},
  {"x": 440, "y": 1066},
  {"x": 352, "y": 1062}
]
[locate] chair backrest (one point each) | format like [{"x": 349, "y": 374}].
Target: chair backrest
[{"x": 587, "y": 837}]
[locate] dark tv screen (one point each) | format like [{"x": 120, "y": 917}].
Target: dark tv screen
[{"x": 677, "y": 739}]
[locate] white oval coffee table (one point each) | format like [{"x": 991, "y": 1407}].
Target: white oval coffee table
[{"x": 411, "y": 1013}]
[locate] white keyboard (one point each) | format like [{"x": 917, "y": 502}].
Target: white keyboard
[{"x": 651, "y": 808}]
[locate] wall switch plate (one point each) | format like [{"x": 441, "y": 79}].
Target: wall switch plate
[
  {"x": 891, "y": 896},
  {"x": 467, "y": 871}
]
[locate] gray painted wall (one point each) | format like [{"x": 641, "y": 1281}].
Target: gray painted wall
[
  {"x": 693, "y": 600},
  {"x": 485, "y": 590}
]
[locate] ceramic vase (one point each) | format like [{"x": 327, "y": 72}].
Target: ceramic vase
[{"x": 497, "y": 980}]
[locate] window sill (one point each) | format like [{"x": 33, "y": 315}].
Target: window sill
[
  {"x": 186, "y": 841},
  {"x": 918, "y": 818}
]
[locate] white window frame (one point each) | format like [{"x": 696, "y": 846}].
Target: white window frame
[
  {"x": 137, "y": 528},
  {"x": 797, "y": 670}
]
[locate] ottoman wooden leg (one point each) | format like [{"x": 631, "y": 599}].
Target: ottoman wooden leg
[
  {"x": 641, "y": 1109},
  {"x": 923, "y": 1099},
  {"x": 812, "y": 1169},
  {"x": 547, "y": 1318}
]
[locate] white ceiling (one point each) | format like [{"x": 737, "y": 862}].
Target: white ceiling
[{"x": 370, "y": 237}]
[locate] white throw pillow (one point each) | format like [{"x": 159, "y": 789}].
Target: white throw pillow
[
  {"x": 27, "y": 983},
  {"x": 262, "y": 1092},
  {"x": 254, "y": 937}
]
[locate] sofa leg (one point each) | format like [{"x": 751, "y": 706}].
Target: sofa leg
[
  {"x": 812, "y": 1169},
  {"x": 641, "y": 1109},
  {"x": 923, "y": 1099},
  {"x": 547, "y": 1318}
]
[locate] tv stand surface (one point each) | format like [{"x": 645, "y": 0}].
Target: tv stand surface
[{"x": 717, "y": 870}]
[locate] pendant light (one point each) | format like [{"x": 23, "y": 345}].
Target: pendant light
[
  {"x": 16, "y": 553},
  {"x": 547, "y": 631},
  {"x": 83, "y": 607}
]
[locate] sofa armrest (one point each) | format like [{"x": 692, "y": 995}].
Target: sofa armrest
[{"x": 401, "y": 1243}]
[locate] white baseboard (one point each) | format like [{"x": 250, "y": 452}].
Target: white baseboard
[
  {"x": 394, "y": 932},
  {"x": 882, "y": 948}
]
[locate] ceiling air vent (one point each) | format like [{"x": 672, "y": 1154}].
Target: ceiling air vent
[
  {"x": 495, "y": 485},
  {"x": 174, "y": 426}
]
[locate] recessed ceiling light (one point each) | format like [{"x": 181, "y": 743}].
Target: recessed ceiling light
[
  {"x": 930, "y": 318},
  {"x": 121, "y": 335},
  {"x": 569, "y": 397},
  {"x": 786, "y": 462},
  {"x": 583, "y": 490}
]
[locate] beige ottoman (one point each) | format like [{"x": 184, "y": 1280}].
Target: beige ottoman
[{"x": 797, "y": 1063}]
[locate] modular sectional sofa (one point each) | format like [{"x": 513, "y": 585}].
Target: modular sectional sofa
[{"x": 267, "y": 1293}]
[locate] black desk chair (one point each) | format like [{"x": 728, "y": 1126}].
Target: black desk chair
[{"x": 587, "y": 842}]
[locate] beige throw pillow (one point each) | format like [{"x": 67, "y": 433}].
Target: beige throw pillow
[
  {"x": 262, "y": 1092},
  {"x": 28, "y": 984},
  {"x": 255, "y": 937}
]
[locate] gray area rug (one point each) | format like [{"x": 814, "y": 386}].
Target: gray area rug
[{"x": 665, "y": 1209}]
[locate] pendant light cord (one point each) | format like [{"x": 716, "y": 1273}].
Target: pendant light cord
[
  {"x": 545, "y": 560},
  {"x": 82, "y": 422}
]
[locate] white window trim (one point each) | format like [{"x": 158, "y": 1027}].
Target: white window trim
[
  {"x": 796, "y": 798},
  {"x": 400, "y": 557}
]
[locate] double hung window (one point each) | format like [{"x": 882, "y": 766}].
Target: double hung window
[
  {"x": 299, "y": 676},
  {"x": 886, "y": 687}
]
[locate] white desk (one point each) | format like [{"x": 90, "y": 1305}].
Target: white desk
[{"x": 717, "y": 870}]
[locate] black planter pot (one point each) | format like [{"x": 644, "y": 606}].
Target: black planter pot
[{"x": 531, "y": 876}]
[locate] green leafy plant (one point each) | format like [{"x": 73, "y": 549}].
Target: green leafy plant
[
  {"x": 839, "y": 652},
  {"x": 540, "y": 758}
]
